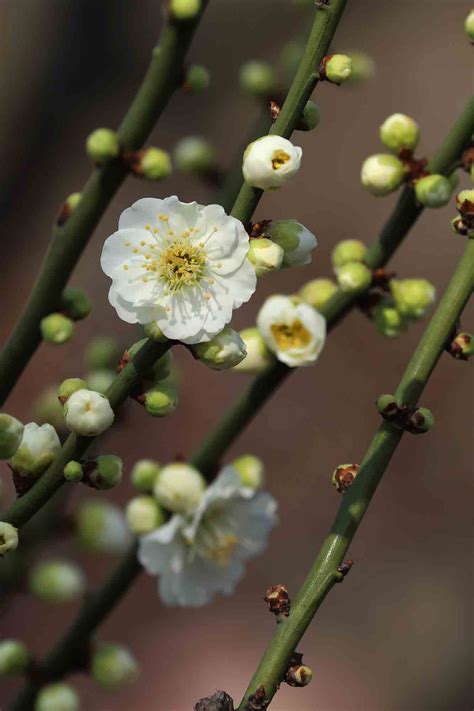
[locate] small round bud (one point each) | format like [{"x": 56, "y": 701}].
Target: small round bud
[
  {"x": 224, "y": 351},
  {"x": 144, "y": 514},
  {"x": 88, "y": 413},
  {"x": 113, "y": 666},
  {"x": 73, "y": 471},
  {"x": 56, "y": 581},
  {"x": 310, "y": 117},
  {"x": 102, "y": 352},
  {"x": 354, "y": 277},
  {"x": 299, "y": 675},
  {"x": 265, "y": 255},
  {"x": 184, "y": 9},
  {"x": 388, "y": 321},
  {"x": 363, "y": 67},
  {"x": 381, "y": 174},
  {"x": 336, "y": 68},
  {"x": 317, "y": 292},
  {"x": 75, "y": 303},
  {"x": 68, "y": 387},
  {"x": 38, "y": 447},
  {"x": 179, "y": 487},
  {"x": 100, "y": 380},
  {"x": 144, "y": 474},
  {"x": 421, "y": 421},
  {"x": 344, "y": 475},
  {"x": 388, "y": 407},
  {"x": 259, "y": 356},
  {"x": 155, "y": 164},
  {"x": 194, "y": 154},
  {"x": 271, "y": 161},
  {"x": 257, "y": 78},
  {"x": 462, "y": 347},
  {"x": 102, "y": 145},
  {"x": 469, "y": 25},
  {"x": 13, "y": 657},
  {"x": 8, "y": 538},
  {"x": 349, "y": 250},
  {"x": 162, "y": 400},
  {"x": 48, "y": 409},
  {"x": 56, "y": 329},
  {"x": 73, "y": 200},
  {"x": 399, "y": 132},
  {"x": 295, "y": 239},
  {"x": 433, "y": 191},
  {"x": 101, "y": 527},
  {"x": 11, "y": 433},
  {"x": 105, "y": 472},
  {"x": 465, "y": 201},
  {"x": 250, "y": 470},
  {"x": 412, "y": 297},
  {"x": 197, "y": 79},
  {"x": 153, "y": 331},
  {"x": 57, "y": 697}
]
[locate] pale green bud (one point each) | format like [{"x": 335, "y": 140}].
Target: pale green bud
[
  {"x": 57, "y": 697},
  {"x": 381, "y": 174},
  {"x": 412, "y": 297},
  {"x": 265, "y": 255},
  {"x": 179, "y": 487},
  {"x": 198, "y": 78},
  {"x": 155, "y": 164},
  {"x": 387, "y": 406},
  {"x": 353, "y": 277},
  {"x": 47, "y": 408},
  {"x": 8, "y": 538},
  {"x": 317, "y": 292},
  {"x": 465, "y": 196},
  {"x": 100, "y": 380},
  {"x": 399, "y": 132},
  {"x": 250, "y": 470},
  {"x": 106, "y": 472},
  {"x": 101, "y": 527},
  {"x": 295, "y": 239},
  {"x": 102, "y": 352},
  {"x": 194, "y": 154},
  {"x": 224, "y": 351},
  {"x": 73, "y": 471},
  {"x": 113, "y": 666},
  {"x": 310, "y": 117},
  {"x": 38, "y": 447},
  {"x": 144, "y": 514},
  {"x": 162, "y": 400},
  {"x": 184, "y": 9},
  {"x": 14, "y": 657},
  {"x": 299, "y": 675},
  {"x": 75, "y": 303},
  {"x": 56, "y": 329},
  {"x": 363, "y": 66},
  {"x": 73, "y": 200},
  {"x": 102, "y": 145},
  {"x": 349, "y": 250},
  {"x": 68, "y": 387},
  {"x": 433, "y": 191},
  {"x": 337, "y": 67},
  {"x": 153, "y": 331},
  {"x": 257, "y": 78},
  {"x": 421, "y": 421},
  {"x": 11, "y": 432},
  {"x": 56, "y": 581},
  {"x": 259, "y": 357},
  {"x": 388, "y": 321},
  {"x": 469, "y": 25},
  {"x": 144, "y": 474},
  {"x": 462, "y": 347},
  {"x": 88, "y": 413}
]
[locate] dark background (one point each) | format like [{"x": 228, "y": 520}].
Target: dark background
[{"x": 396, "y": 635}]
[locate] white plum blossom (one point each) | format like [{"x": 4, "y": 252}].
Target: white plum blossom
[
  {"x": 88, "y": 413},
  {"x": 181, "y": 265},
  {"x": 293, "y": 330},
  {"x": 271, "y": 161},
  {"x": 38, "y": 447},
  {"x": 198, "y": 556}
]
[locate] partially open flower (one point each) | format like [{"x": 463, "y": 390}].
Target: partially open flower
[
  {"x": 270, "y": 161},
  {"x": 296, "y": 241},
  {"x": 88, "y": 413},
  {"x": 38, "y": 447},
  {"x": 266, "y": 256},
  {"x": 224, "y": 351}
]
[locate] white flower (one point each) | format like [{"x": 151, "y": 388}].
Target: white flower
[
  {"x": 88, "y": 413},
  {"x": 293, "y": 330},
  {"x": 271, "y": 161},
  {"x": 38, "y": 447},
  {"x": 295, "y": 239},
  {"x": 179, "y": 487},
  {"x": 198, "y": 557},
  {"x": 258, "y": 357},
  {"x": 226, "y": 350},
  {"x": 179, "y": 264}
]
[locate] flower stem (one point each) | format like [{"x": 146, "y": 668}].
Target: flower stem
[
  {"x": 70, "y": 239},
  {"x": 355, "y": 501}
]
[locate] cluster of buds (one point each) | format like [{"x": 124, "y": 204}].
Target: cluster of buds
[
  {"x": 58, "y": 327},
  {"x": 352, "y": 274},
  {"x": 298, "y": 674},
  {"x": 415, "y": 420},
  {"x": 463, "y": 224},
  {"x": 279, "y": 244}
]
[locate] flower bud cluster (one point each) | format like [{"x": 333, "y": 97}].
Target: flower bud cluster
[{"x": 415, "y": 420}]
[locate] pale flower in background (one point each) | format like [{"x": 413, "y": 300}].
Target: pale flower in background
[
  {"x": 271, "y": 161},
  {"x": 180, "y": 265}
]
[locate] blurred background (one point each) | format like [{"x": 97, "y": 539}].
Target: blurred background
[{"x": 396, "y": 635}]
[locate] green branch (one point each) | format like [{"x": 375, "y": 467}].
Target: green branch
[
  {"x": 70, "y": 238},
  {"x": 324, "y": 573}
]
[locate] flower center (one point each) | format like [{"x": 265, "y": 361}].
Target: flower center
[
  {"x": 279, "y": 158},
  {"x": 293, "y": 335},
  {"x": 222, "y": 551},
  {"x": 215, "y": 539},
  {"x": 182, "y": 265}
]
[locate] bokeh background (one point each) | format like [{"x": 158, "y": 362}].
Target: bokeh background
[{"x": 396, "y": 635}]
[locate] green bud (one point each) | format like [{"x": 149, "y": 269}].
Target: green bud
[
  {"x": 344, "y": 475},
  {"x": 162, "y": 400},
  {"x": 56, "y": 581},
  {"x": 102, "y": 145},
  {"x": 11, "y": 432},
  {"x": 354, "y": 277},
  {"x": 70, "y": 386},
  {"x": 8, "y": 538},
  {"x": 75, "y": 303},
  {"x": 462, "y": 347},
  {"x": 349, "y": 250},
  {"x": 144, "y": 474},
  {"x": 463, "y": 197},
  {"x": 295, "y": 239},
  {"x": 57, "y": 697},
  {"x": 224, "y": 351},
  {"x": 399, "y": 132},
  {"x": 153, "y": 331},
  {"x": 381, "y": 174},
  {"x": 317, "y": 292},
  {"x": 113, "y": 666},
  {"x": 469, "y": 25},
  {"x": 299, "y": 675},
  {"x": 47, "y": 408},
  {"x": 101, "y": 527},
  {"x": 363, "y": 67},
  {"x": 102, "y": 352},
  {"x": 100, "y": 380},
  {"x": 257, "y": 78},
  {"x": 73, "y": 471},
  {"x": 388, "y": 321},
  {"x": 337, "y": 68},
  {"x": 14, "y": 657},
  {"x": 194, "y": 154},
  {"x": 310, "y": 117},
  {"x": 250, "y": 470},
  {"x": 265, "y": 255},
  {"x": 412, "y": 297},
  {"x": 56, "y": 329},
  {"x": 107, "y": 472},
  {"x": 144, "y": 514},
  {"x": 421, "y": 421},
  {"x": 155, "y": 164},
  {"x": 387, "y": 406},
  {"x": 433, "y": 191},
  {"x": 198, "y": 78},
  {"x": 73, "y": 200}
]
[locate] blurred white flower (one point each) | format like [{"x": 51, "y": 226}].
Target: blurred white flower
[
  {"x": 198, "y": 556},
  {"x": 180, "y": 265},
  {"x": 270, "y": 161}
]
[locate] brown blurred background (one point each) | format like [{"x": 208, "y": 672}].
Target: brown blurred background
[{"x": 396, "y": 635}]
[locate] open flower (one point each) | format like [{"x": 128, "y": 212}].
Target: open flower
[
  {"x": 199, "y": 555},
  {"x": 293, "y": 330},
  {"x": 270, "y": 161},
  {"x": 180, "y": 265}
]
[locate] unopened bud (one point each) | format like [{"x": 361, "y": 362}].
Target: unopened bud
[
  {"x": 144, "y": 514},
  {"x": 184, "y": 9},
  {"x": 48, "y": 409},
  {"x": 102, "y": 145},
  {"x": 317, "y": 292},
  {"x": 349, "y": 250},
  {"x": 354, "y": 277},
  {"x": 179, "y": 487},
  {"x": 224, "y": 351},
  {"x": 73, "y": 471},
  {"x": 250, "y": 470},
  {"x": 388, "y": 321},
  {"x": 104, "y": 472},
  {"x": 433, "y": 190},
  {"x": 162, "y": 400},
  {"x": 257, "y": 78},
  {"x": 75, "y": 303},
  {"x": 68, "y": 387},
  {"x": 412, "y": 297},
  {"x": 336, "y": 68},
  {"x": 388, "y": 407},
  {"x": 469, "y": 25},
  {"x": 13, "y": 657},
  {"x": 310, "y": 117},
  {"x": 197, "y": 78},
  {"x": 381, "y": 174},
  {"x": 56, "y": 329},
  {"x": 344, "y": 475},
  {"x": 144, "y": 474},
  {"x": 113, "y": 666},
  {"x": 11, "y": 432},
  {"x": 421, "y": 421},
  {"x": 57, "y": 697},
  {"x": 56, "y": 581},
  {"x": 154, "y": 164},
  {"x": 399, "y": 132},
  {"x": 194, "y": 154},
  {"x": 259, "y": 357},
  {"x": 299, "y": 675},
  {"x": 8, "y": 538},
  {"x": 265, "y": 255},
  {"x": 462, "y": 347}
]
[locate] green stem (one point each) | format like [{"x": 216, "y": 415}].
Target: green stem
[
  {"x": 324, "y": 573},
  {"x": 75, "y": 446},
  {"x": 70, "y": 238}
]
